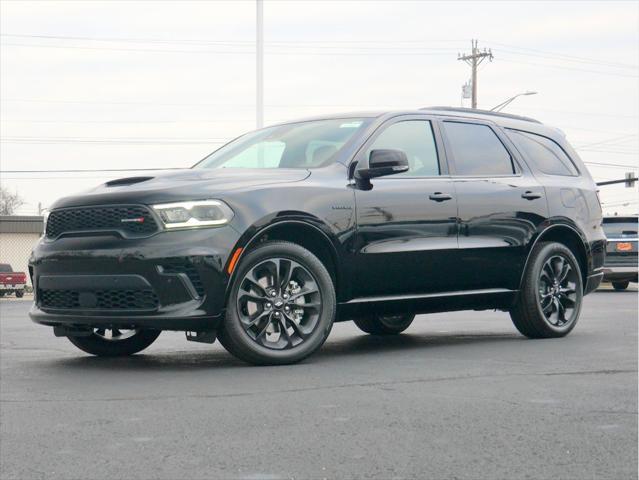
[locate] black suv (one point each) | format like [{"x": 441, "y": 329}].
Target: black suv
[{"x": 366, "y": 217}]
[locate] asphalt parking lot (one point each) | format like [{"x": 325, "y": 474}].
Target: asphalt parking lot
[{"x": 459, "y": 395}]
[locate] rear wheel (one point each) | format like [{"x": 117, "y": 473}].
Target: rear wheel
[
  {"x": 549, "y": 302},
  {"x": 620, "y": 285},
  {"x": 385, "y": 324},
  {"x": 281, "y": 306},
  {"x": 114, "y": 342}
]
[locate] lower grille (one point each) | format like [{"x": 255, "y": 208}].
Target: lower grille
[{"x": 98, "y": 299}]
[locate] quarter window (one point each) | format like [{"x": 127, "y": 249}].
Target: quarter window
[
  {"x": 415, "y": 138},
  {"x": 544, "y": 153},
  {"x": 476, "y": 150}
]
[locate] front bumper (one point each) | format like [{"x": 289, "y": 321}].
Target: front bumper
[{"x": 173, "y": 280}]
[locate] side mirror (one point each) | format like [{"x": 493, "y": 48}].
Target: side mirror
[{"x": 382, "y": 163}]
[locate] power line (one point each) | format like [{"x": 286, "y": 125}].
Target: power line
[
  {"x": 565, "y": 56},
  {"x": 612, "y": 165},
  {"x": 614, "y": 74}
]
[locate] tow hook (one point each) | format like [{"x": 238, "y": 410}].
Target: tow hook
[{"x": 206, "y": 336}]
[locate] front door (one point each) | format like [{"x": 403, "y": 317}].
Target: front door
[{"x": 406, "y": 224}]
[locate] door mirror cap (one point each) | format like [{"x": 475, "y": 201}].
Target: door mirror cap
[{"x": 383, "y": 162}]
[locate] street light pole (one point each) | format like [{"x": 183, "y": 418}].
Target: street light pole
[
  {"x": 502, "y": 105},
  {"x": 259, "y": 64}
]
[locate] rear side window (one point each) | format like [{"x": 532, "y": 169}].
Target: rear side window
[
  {"x": 476, "y": 150},
  {"x": 546, "y": 155}
]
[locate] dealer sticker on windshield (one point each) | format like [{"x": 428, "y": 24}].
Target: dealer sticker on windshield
[{"x": 350, "y": 125}]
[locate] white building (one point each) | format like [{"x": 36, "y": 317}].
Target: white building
[{"x": 18, "y": 235}]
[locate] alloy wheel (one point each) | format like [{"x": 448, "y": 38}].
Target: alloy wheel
[
  {"x": 558, "y": 294},
  {"x": 279, "y": 303}
]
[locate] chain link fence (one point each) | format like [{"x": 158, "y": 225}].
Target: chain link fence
[{"x": 18, "y": 235}]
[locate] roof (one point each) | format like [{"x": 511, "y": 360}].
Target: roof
[{"x": 21, "y": 224}]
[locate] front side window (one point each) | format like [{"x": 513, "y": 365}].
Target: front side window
[
  {"x": 415, "y": 138},
  {"x": 309, "y": 144},
  {"x": 545, "y": 154},
  {"x": 476, "y": 150}
]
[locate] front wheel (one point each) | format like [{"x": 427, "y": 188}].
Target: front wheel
[
  {"x": 619, "y": 286},
  {"x": 549, "y": 302},
  {"x": 281, "y": 306},
  {"x": 385, "y": 324},
  {"x": 114, "y": 342},
  {"x": 19, "y": 293}
]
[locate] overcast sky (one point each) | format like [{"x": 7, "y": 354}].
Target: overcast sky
[{"x": 95, "y": 85}]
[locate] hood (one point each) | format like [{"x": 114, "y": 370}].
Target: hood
[{"x": 181, "y": 185}]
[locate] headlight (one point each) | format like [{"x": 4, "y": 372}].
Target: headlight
[{"x": 196, "y": 214}]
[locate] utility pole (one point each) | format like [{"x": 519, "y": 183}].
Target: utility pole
[
  {"x": 474, "y": 60},
  {"x": 259, "y": 64}
]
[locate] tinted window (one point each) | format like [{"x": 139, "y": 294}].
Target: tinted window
[
  {"x": 476, "y": 150},
  {"x": 545, "y": 154},
  {"x": 5, "y": 268},
  {"x": 620, "y": 227},
  {"x": 415, "y": 138}
]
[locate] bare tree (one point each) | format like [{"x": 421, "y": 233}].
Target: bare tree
[{"x": 9, "y": 202}]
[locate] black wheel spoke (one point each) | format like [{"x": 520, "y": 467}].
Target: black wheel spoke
[
  {"x": 564, "y": 273},
  {"x": 298, "y": 330},
  {"x": 303, "y": 293},
  {"x": 284, "y": 330}
]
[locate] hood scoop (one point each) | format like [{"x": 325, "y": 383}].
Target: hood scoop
[{"x": 127, "y": 181}]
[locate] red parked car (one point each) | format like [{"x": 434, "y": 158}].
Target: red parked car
[{"x": 11, "y": 282}]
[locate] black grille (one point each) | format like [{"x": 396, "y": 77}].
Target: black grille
[
  {"x": 183, "y": 265},
  {"x": 134, "y": 220},
  {"x": 98, "y": 299}
]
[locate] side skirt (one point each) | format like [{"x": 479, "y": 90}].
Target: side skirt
[{"x": 487, "y": 299}]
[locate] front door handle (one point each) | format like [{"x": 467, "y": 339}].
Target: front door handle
[
  {"x": 440, "y": 197},
  {"x": 529, "y": 195}
]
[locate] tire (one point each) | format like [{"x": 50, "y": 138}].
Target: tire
[
  {"x": 98, "y": 344},
  {"x": 620, "y": 286},
  {"x": 385, "y": 324},
  {"x": 19, "y": 293},
  {"x": 544, "y": 309},
  {"x": 265, "y": 323}
]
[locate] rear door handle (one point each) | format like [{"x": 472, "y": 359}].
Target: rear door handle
[
  {"x": 440, "y": 197},
  {"x": 529, "y": 195}
]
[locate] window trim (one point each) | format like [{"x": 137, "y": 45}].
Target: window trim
[
  {"x": 362, "y": 161},
  {"x": 536, "y": 168},
  {"x": 515, "y": 164}
]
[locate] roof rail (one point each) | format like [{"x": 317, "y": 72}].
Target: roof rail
[{"x": 477, "y": 111}]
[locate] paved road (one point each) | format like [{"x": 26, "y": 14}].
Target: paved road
[{"x": 459, "y": 395}]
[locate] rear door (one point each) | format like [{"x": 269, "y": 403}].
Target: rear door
[
  {"x": 500, "y": 204},
  {"x": 406, "y": 224}
]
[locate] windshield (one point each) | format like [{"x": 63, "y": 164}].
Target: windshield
[
  {"x": 620, "y": 227},
  {"x": 295, "y": 145}
]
